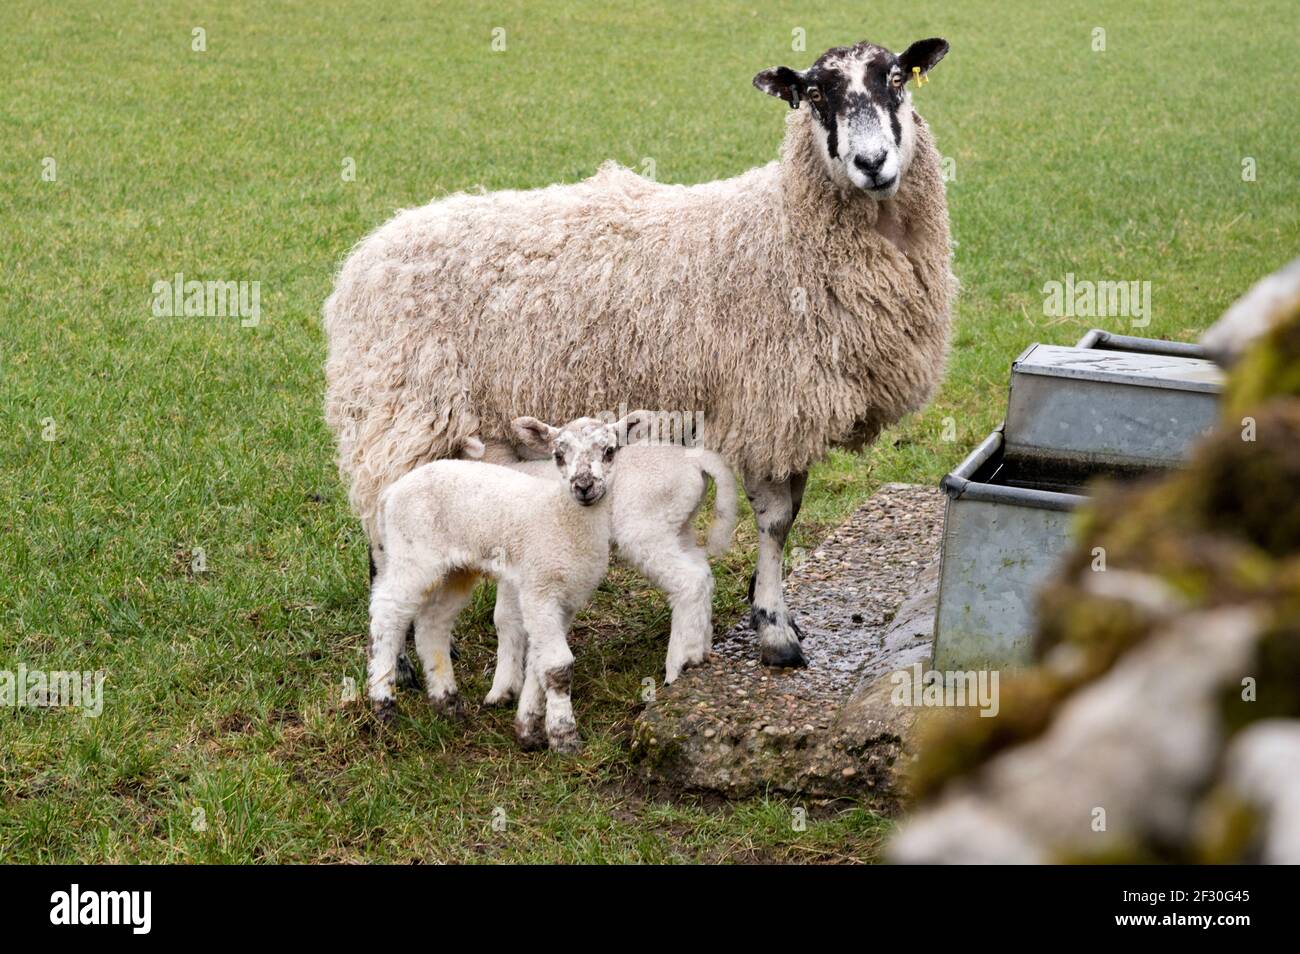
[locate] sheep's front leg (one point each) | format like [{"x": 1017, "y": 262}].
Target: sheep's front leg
[
  {"x": 512, "y": 644},
  {"x": 775, "y": 504},
  {"x": 550, "y": 673}
]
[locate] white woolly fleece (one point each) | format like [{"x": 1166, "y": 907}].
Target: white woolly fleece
[{"x": 795, "y": 316}]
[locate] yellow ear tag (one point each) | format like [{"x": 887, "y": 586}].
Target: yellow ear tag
[{"x": 916, "y": 75}]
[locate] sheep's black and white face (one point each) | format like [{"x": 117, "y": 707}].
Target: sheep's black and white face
[
  {"x": 584, "y": 450},
  {"x": 859, "y": 99}
]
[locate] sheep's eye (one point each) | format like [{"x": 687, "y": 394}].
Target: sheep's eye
[
  {"x": 814, "y": 94},
  {"x": 609, "y": 454},
  {"x": 559, "y": 458}
]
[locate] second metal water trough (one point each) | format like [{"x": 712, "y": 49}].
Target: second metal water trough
[{"x": 1111, "y": 402}]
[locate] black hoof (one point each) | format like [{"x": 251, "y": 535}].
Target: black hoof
[
  {"x": 449, "y": 707},
  {"x": 531, "y": 738},
  {"x": 753, "y": 581},
  {"x": 455, "y": 653},
  {"x": 407, "y": 677},
  {"x": 783, "y": 656},
  {"x": 797, "y": 631},
  {"x": 385, "y": 710}
]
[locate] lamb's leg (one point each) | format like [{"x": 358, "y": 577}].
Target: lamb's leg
[
  {"x": 692, "y": 601},
  {"x": 530, "y": 716},
  {"x": 407, "y": 677},
  {"x": 433, "y": 641},
  {"x": 677, "y": 565},
  {"x": 393, "y": 606},
  {"x": 512, "y": 643},
  {"x": 550, "y": 668},
  {"x": 774, "y": 503}
]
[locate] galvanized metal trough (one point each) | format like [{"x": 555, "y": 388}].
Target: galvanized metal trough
[
  {"x": 1111, "y": 402},
  {"x": 1112, "y": 405}
]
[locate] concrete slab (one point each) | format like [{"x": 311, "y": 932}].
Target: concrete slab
[{"x": 865, "y": 600}]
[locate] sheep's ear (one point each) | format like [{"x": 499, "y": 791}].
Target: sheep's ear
[
  {"x": 783, "y": 83},
  {"x": 629, "y": 429},
  {"x": 925, "y": 54},
  {"x": 534, "y": 433}
]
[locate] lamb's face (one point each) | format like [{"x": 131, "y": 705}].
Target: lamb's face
[
  {"x": 864, "y": 123},
  {"x": 584, "y": 450}
]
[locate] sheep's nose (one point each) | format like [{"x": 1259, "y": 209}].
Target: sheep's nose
[
  {"x": 586, "y": 491},
  {"x": 870, "y": 164}
]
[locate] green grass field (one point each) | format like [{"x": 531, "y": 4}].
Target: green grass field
[{"x": 222, "y": 699}]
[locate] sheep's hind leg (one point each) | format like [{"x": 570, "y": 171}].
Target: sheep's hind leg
[
  {"x": 433, "y": 641},
  {"x": 775, "y": 504}
]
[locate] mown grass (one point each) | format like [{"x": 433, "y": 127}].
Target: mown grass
[{"x": 223, "y": 686}]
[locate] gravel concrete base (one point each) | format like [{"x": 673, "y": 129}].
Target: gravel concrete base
[{"x": 865, "y": 600}]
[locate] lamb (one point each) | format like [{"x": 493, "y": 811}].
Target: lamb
[
  {"x": 659, "y": 489},
  {"x": 800, "y": 306},
  {"x": 441, "y": 525}
]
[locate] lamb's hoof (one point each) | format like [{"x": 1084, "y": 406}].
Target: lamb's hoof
[
  {"x": 385, "y": 710},
  {"x": 673, "y": 670},
  {"x": 565, "y": 741},
  {"x": 454, "y": 652},
  {"x": 797, "y": 631},
  {"x": 407, "y": 677},
  {"x": 500, "y": 697},
  {"x": 530, "y": 735},
  {"x": 450, "y": 707}
]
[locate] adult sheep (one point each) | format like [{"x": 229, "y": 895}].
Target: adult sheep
[{"x": 800, "y": 306}]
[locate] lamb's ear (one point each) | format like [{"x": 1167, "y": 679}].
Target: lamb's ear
[
  {"x": 923, "y": 53},
  {"x": 629, "y": 430},
  {"x": 782, "y": 82},
  {"x": 535, "y": 434}
]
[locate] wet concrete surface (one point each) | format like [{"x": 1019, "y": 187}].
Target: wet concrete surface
[{"x": 736, "y": 727}]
